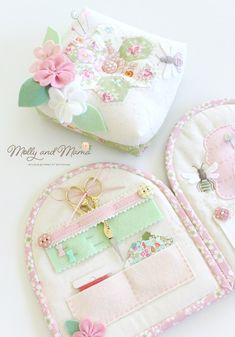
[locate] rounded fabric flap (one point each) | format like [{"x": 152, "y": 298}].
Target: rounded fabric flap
[{"x": 204, "y": 179}]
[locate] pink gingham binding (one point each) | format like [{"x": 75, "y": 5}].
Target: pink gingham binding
[
  {"x": 154, "y": 331},
  {"x": 202, "y": 231}
]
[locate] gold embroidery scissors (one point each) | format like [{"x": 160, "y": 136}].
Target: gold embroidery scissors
[{"x": 86, "y": 196}]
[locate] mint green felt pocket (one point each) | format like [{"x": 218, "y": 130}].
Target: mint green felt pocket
[{"x": 93, "y": 241}]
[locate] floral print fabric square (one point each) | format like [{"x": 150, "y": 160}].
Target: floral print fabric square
[
  {"x": 147, "y": 246},
  {"x": 111, "y": 63}
]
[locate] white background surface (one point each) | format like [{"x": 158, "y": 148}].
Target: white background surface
[{"x": 207, "y": 26}]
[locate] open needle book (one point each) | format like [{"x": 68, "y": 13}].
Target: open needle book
[{"x": 111, "y": 251}]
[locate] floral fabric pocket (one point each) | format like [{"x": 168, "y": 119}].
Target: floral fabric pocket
[{"x": 106, "y": 80}]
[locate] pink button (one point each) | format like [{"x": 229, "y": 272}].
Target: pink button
[
  {"x": 222, "y": 213},
  {"x": 44, "y": 240}
]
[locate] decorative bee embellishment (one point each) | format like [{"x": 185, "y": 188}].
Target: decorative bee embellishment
[
  {"x": 204, "y": 177},
  {"x": 171, "y": 60}
]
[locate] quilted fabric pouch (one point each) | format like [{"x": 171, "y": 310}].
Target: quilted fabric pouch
[
  {"x": 106, "y": 80},
  {"x": 111, "y": 252}
]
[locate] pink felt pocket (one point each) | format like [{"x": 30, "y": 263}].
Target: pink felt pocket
[{"x": 133, "y": 287}]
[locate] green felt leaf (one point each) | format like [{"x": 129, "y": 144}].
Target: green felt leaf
[
  {"x": 114, "y": 85},
  {"x": 135, "y": 48},
  {"x": 90, "y": 121},
  {"x": 73, "y": 57},
  {"x": 146, "y": 236},
  {"x": 32, "y": 94},
  {"x": 71, "y": 327},
  {"x": 51, "y": 34}
]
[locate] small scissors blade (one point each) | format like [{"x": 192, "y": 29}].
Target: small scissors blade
[{"x": 116, "y": 248}]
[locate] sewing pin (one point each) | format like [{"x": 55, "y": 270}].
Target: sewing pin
[{"x": 228, "y": 139}]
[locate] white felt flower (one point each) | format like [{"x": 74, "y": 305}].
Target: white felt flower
[{"x": 67, "y": 102}]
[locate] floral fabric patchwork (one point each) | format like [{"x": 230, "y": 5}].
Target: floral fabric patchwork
[
  {"x": 147, "y": 246},
  {"x": 110, "y": 64}
]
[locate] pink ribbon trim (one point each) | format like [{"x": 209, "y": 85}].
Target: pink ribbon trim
[{"x": 96, "y": 216}]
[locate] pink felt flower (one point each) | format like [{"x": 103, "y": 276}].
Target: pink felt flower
[
  {"x": 48, "y": 49},
  {"x": 56, "y": 71},
  {"x": 90, "y": 329}
]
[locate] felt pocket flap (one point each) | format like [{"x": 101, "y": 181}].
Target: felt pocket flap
[
  {"x": 133, "y": 287},
  {"x": 125, "y": 219}
]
